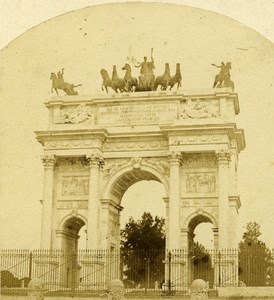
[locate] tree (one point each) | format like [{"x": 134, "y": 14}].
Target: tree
[
  {"x": 255, "y": 263},
  {"x": 143, "y": 250}
]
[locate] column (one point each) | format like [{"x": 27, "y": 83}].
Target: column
[
  {"x": 174, "y": 201},
  {"x": 46, "y": 227},
  {"x": 223, "y": 158},
  {"x": 95, "y": 162},
  {"x": 104, "y": 224},
  {"x": 216, "y": 238},
  {"x": 166, "y": 200}
]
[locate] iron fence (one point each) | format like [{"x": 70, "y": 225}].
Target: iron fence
[{"x": 142, "y": 272}]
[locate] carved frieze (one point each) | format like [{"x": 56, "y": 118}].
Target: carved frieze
[
  {"x": 135, "y": 145},
  {"x": 72, "y": 164},
  {"x": 69, "y": 204},
  {"x": 72, "y": 143},
  {"x": 81, "y": 114},
  {"x": 199, "y": 161},
  {"x": 196, "y": 139},
  {"x": 198, "y": 109},
  {"x": 75, "y": 186},
  {"x": 200, "y": 182}
]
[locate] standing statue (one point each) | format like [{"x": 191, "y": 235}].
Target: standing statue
[
  {"x": 59, "y": 83},
  {"x": 223, "y": 78},
  {"x": 147, "y": 77}
]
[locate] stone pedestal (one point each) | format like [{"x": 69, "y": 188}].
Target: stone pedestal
[
  {"x": 49, "y": 272},
  {"x": 199, "y": 290},
  {"x": 36, "y": 289},
  {"x": 93, "y": 273}
]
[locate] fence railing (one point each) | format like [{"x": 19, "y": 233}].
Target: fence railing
[{"x": 143, "y": 272}]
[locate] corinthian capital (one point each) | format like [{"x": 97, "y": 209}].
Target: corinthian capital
[
  {"x": 223, "y": 156},
  {"x": 174, "y": 157},
  {"x": 48, "y": 160},
  {"x": 95, "y": 159}
]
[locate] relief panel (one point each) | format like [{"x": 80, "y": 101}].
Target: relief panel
[
  {"x": 75, "y": 186},
  {"x": 200, "y": 182}
]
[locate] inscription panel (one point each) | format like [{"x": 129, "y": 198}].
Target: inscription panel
[
  {"x": 82, "y": 204},
  {"x": 198, "y": 202},
  {"x": 138, "y": 114}
]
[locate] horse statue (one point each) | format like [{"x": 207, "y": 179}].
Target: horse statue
[
  {"x": 163, "y": 80},
  {"x": 106, "y": 80},
  {"x": 118, "y": 84},
  {"x": 223, "y": 78},
  {"x": 147, "y": 77},
  {"x": 177, "y": 78},
  {"x": 59, "y": 83},
  {"x": 131, "y": 82}
]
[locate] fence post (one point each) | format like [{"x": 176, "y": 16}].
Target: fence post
[
  {"x": 219, "y": 262},
  {"x": 30, "y": 266},
  {"x": 169, "y": 273},
  {"x": 73, "y": 270}
]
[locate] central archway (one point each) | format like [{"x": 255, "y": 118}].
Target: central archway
[{"x": 115, "y": 190}]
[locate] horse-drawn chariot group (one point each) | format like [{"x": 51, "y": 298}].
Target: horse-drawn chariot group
[{"x": 145, "y": 82}]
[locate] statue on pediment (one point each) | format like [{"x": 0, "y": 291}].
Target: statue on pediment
[
  {"x": 58, "y": 83},
  {"x": 147, "y": 77},
  {"x": 222, "y": 79}
]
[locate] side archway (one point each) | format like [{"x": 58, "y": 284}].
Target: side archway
[
  {"x": 68, "y": 230},
  {"x": 127, "y": 176}
]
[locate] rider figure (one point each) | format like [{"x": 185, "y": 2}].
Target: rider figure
[
  {"x": 60, "y": 77},
  {"x": 224, "y": 72}
]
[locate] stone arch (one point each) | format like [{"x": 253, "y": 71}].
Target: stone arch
[
  {"x": 127, "y": 176},
  {"x": 67, "y": 232},
  {"x": 192, "y": 221},
  {"x": 204, "y": 216},
  {"x": 69, "y": 216}
]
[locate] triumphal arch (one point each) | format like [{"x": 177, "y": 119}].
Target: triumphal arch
[{"x": 96, "y": 147}]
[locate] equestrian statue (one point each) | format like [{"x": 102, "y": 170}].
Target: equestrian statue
[
  {"x": 131, "y": 82},
  {"x": 222, "y": 79},
  {"x": 58, "y": 83}
]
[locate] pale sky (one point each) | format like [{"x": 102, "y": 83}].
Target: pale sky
[{"x": 18, "y": 16}]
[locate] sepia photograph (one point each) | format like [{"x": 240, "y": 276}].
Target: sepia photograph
[{"x": 137, "y": 149}]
